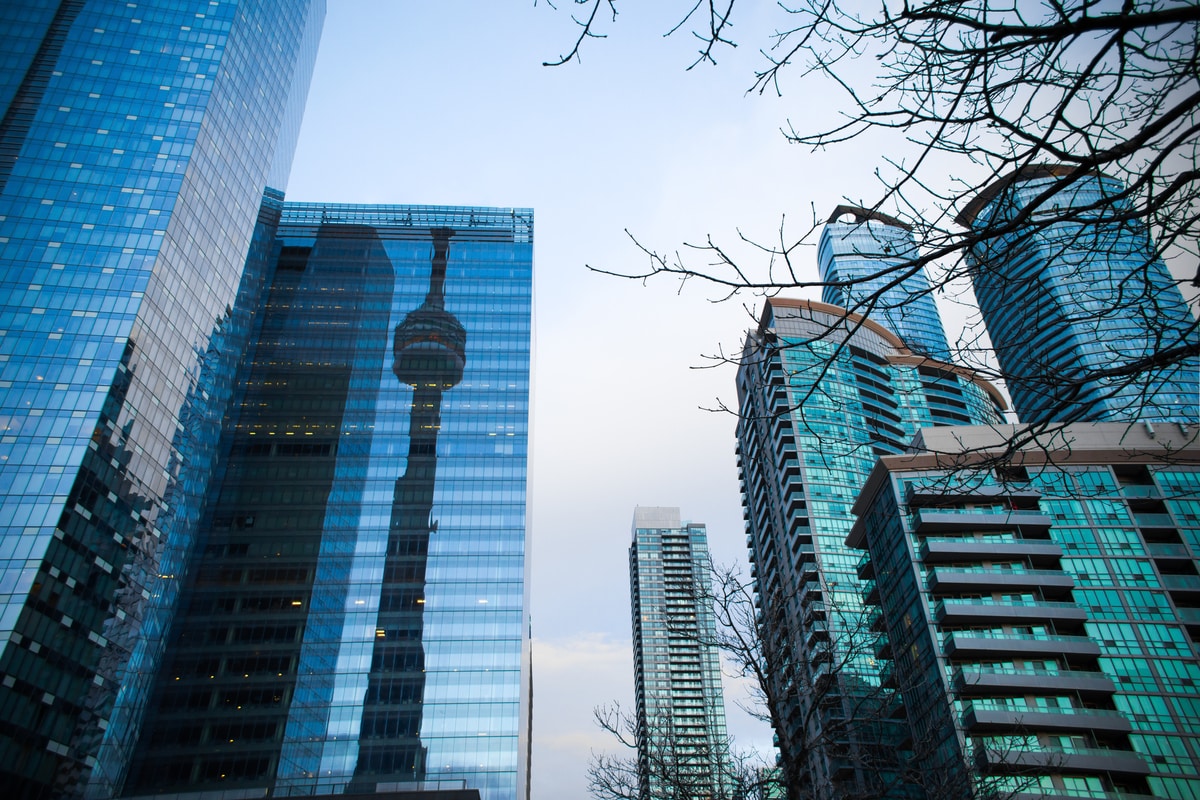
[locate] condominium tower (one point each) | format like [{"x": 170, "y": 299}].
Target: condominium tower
[
  {"x": 823, "y": 393},
  {"x": 1042, "y": 610},
  {"x": 683, "y": 747},
  {"x": 1075, "y": 297},
  {"x": 870, "y": 266},
  {"x": 137, "y": 142}
]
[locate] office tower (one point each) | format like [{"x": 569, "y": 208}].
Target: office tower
[
  {"x": 822, "y": 393},
  {"x": 1043, "y": 616},
  {"x": 683, "y": 746},
  {"x": 357, "y": 620},
  {"x": 137, "y": 141},
  {"x": 1074, "y": 296},
  {"x": 866, "y": 260}
]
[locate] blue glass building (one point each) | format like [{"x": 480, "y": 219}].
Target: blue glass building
[
  {"x": 1073, "y": 295},
  {"x": 823, "y": 393},
  {"x": 357, "y": 619},
  {"x": 683, "y": 744},
  {"x": 137, "y": 144},
  {"x": 1043, "y": 615},
  {"x": 866, "y": 259}
]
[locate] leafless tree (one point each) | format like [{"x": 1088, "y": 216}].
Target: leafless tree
[
  {"x": 967, "y": 96},
  {"x": 672, "y": 765}
]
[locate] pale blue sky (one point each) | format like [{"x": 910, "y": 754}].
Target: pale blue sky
[{"x": 447, "y": 103}]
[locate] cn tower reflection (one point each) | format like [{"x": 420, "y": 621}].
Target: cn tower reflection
[{"x": 429, "y": 352}]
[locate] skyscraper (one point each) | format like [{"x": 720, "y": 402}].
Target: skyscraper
[
  {"x": 822, "y": 393},
  {"x": 1043, "y": 616},
  {"x": 1074, "y": 296},
  {"x": 866, "y": 260},
  {"x": 137, "y": 142},
  {"x": 684, "y": 749},
  {"x": 357, "y": 620}
]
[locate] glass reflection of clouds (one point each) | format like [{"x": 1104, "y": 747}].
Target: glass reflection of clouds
[{"x": 473, "y": 630}]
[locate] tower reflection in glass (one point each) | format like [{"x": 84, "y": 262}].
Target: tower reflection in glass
[
  {"x": 430, "y": 353},
  {"x": 357, "y": 620}
]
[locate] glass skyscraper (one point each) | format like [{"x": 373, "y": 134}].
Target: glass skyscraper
[
  {"x": 683, "y": 745},
  {"x": 866, "y": 261},
  {"x": 357, "y": 619},
  {"x": 1043, "y": 615},
  {"x": 1073, "y": 296},
  {"x": 822, "y": 394},
  {"x": 137, "y": 143}
]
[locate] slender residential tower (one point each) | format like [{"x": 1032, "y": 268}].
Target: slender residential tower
[
  {"x": 823, "y": 393},
  {"x": 684, "y": 748},
  {"x": 137, "y": 143},
  {"x": 867, "y": 261},
  {"x": 1075, "y": 297}
]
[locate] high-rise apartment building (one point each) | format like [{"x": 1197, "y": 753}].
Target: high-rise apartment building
[
  {"x": 866, "y": 259},
  {"x": 137, "y": 141},
  {"x": 357, "y": 619},
  {"x": 823, "y": 393},
  {"x": 1074, "y": 296},
  {"x": 684, "y": 749},
  {"x": 1043, "y": 616}
]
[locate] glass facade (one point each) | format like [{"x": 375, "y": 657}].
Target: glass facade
[
  {"x": 823, "y": 393},
  {"x": 1071, "y": 303},
  {"x": 683, "y": 744},
  {"x": 866, "y": 260},
  {"x": 357, "y": 618},
  {"x": 137, "y": 144},
  {"x": 1044, "y": 618}
]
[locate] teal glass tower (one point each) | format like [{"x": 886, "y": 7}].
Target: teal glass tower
[
  {"x": 356, "y": 620},
  {"x": 1043, "y": 616},
  {"x": 137, "y": 144},
  {"x": 823, "y": 393},
  {"x": 866, "y": 259},
  {"x": 683, "y": 744},
  {"x": 1075, "y": 297}
]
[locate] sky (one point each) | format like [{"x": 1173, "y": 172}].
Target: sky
[{"x": 448, "y": 103}]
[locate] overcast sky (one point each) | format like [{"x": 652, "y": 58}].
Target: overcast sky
[{"x": 447, "y": 103}]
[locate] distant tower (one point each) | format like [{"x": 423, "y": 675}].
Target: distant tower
[
  {"x": 429, "y": 353},
  {"x": 866, "y": 259},
  {"x": 677, "y": 670},
  {"x": 1069, "y": 300}
]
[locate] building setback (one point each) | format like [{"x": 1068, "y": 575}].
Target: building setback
[
  {"x": 357, "y": 619},
  {"x": 1073, "y": 295},
  {"x": 137, "y": 142},
  {"x": 1043, "y": 616},
  {"x": 683, "y": 745},
  {"x": 823, "y": 393}
]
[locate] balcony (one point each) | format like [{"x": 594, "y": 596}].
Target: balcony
[
  {"x": 1182, "y": 582},
  {"x": 1039, "y": 553},
  {"x": 964, "y": 579},
  {"x": 964, "y": 611},
  {"x": 983, "y": 681},
  {"x": 979, "y": 644},
  {"x": 1148, "y": 520},
  {"x": 1141, "y": 491},
  {"x": 1076, "y": 760},
  {"x": 927, "y": 521},
  {"x": 930, "y": 496},
  {"x": 980, "y": 720}
]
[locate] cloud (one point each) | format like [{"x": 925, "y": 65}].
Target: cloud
[{"x": 570, "y": 676}]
